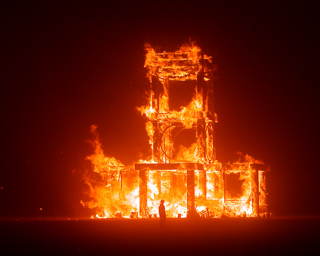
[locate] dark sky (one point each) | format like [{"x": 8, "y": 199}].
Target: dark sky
[{"x": 66, "y": 66}]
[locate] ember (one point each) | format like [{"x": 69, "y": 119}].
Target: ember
[{"x": 182, "y": 169}]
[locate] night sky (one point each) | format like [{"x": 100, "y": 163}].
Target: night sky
[{"x": 66, "y": 66}]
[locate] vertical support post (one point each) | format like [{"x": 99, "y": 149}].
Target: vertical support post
[
  {"x": 203, "y": 183},
  {"x": 156, "y": 91},
  {"x": 143, "y": 192},
  {"x": 262, "y": 188},
  {"x": 159, "y": 183},
  {"x": 211, "y": 115},
  {"x": 190, "y": 190},
  {"x": 255, "y": 188},
  {"x": 173, "y": 183},
  {"x": 201, "y": 136},
  {"x": 156, "y": 141},
  {"x": 201, "y": 124},
  {"x": 224, "y": 186},
  {"x": 156, "y": 88}
]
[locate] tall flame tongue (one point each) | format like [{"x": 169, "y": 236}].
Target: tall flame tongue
[
  {"x": 187, "y": 176},
  {"x": 115, "y": 188}
]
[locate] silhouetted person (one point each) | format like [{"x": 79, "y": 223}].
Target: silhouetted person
[{"x": 162, "y": 212}]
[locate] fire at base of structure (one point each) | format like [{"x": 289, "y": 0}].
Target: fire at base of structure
[{"x": 182, "y": 169}]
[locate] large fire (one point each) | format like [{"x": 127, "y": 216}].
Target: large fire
[{"x": 182, "y": 169}]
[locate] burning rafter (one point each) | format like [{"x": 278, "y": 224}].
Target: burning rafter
[
  {"x": 183, "y": 169},
  {"x": 181, "y": 65}
]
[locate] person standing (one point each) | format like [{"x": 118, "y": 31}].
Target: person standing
[{"x": 162, "y": 212}]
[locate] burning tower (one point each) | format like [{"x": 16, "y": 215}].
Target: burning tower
[{"x": 182, "y": 169}]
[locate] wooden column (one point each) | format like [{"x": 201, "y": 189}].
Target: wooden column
[
  {"x": 255, "y": 192},
  {"x": 203, "y": 183},
  {"x": 190, "y": 190},
  {"x": 143, "y": 192}
]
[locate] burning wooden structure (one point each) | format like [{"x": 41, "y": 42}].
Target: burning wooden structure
[{"x": 182, "y": 169}]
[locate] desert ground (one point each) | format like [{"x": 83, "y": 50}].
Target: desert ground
[{"x": 223, "y": 236}]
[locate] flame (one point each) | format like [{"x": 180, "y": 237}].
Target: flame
[
  {"x": 117, "y": 190},
  {"x": 166, "y": 65},
  {"x": 114, "y": 190}
]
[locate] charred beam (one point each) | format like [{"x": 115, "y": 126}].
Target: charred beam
[
  {"x": 170, "y": 166},
  {"x": 190, "y": 191},
  {"x": 143, "y": 192},
  {"x": 255, "y": 191},
  {"x": 203, "y": 183}
]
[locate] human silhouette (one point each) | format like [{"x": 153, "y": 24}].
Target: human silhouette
[{"x": 162, "y": 212}]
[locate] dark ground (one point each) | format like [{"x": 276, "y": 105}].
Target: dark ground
[{"x": 273, "y": 236}]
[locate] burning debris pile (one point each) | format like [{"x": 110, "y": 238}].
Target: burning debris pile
[{"x": 183, "y": 169}]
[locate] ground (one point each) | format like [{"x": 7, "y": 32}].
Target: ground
[{"x": 273, "y": 236}]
